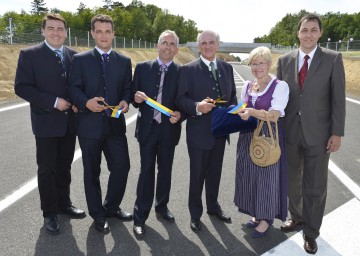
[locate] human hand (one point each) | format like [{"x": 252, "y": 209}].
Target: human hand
[
  {"x": 206, "y": 105},
  {"x": 62, "y": 104},
  {"x": 74, "y": 108},
  {"x": 124, "y": 106},
  {"x": 244, "y": 114},
  {"x": 94, "y": 106},
  {"x": 333, "y": 144},
  {"x": 175, "y": 117},
  {"x": 140, "y": 97}
]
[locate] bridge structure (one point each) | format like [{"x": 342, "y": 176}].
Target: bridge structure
[{"x": 230, "y": 47}]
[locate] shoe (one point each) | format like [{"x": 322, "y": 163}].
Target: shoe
[
  {"x": 73, "y": 212},
  {"x": 258, "y": 234},
  {"x": 290, "y": 225},
  {"x": 195, "y": 225},
  {"x": 310, "y": 245},
  {"x": 221, "y": 216},
  {"x": 252, "y": 224},
  {"x": 166, "y": 215},
  {"x": 102, "y": 225},
  {"x": 52, "y": 225},
  {"x": 120, "y": 214},
  {"x": 139, "y": 231}
]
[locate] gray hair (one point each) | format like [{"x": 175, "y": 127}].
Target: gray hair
[
  {"x": 169, "y": 32},
  {"x": 208, "y": 32}
]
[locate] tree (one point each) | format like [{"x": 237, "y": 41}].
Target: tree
[
  {"x": 81, "y": 7},
  {"x": 38, "y": 7}
]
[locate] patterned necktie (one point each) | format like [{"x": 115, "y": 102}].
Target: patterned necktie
[
  {"x": 59, "y": 54},
  {"x": 105, "y": 64},
  {"x": 157, "y": 114},
  {"x": 212, "y": 66},
  {"x": 303, "y": 72}
]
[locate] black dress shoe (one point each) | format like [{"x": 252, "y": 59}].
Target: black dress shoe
[
  {"x": 120, "y": 214},
  {"x": 52, "y": 225},
  {"x": 195, "y": 225},
  {"x": 310, "y": 245},
  {"x": 139, "y": 231},
  {"x": 102, "y": 225},
  {"x": 290, "y": 225},
  {"x": 221, "y": 216},
  {"x": 166, "y": 215},
  {"x": 73, "y": 212}
]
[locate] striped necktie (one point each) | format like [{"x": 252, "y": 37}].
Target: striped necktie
[{"x": 157, "y": 114}]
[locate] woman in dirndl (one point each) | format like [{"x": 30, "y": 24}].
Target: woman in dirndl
[{"x": 261, "y": 192}]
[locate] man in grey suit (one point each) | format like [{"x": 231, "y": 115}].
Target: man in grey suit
[
  {"x": 314, "y": 125},
  {"x": 200, "y": 83}
]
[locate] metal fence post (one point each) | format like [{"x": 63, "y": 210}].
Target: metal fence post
[{"x": 69, "y": 37}]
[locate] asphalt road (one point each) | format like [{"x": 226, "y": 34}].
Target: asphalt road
[{"x": 21, "y": 231}]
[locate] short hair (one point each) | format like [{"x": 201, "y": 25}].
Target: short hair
[
  {"x": 312, "y": 17},
  {"x": 53, "y": 16},
  {"x": 169, "y": 32},
  {"x": 102, "y": 18},
  {"x": 208, "y": 32},
  {"x": 260, "y": 52}
]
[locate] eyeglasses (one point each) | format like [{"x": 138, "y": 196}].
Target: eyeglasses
[
  {"x": 166, "y": 43},
  {"x": 260, "y": 64}
]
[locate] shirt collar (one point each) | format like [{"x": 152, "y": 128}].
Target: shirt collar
[
  {"x": 160, "y": 62},
  {"x": 302, "y": 54},
  {"x": 207, "y": 62},
  {"x": 101, "y": 51},
  {"x": 52, "y": 48}
]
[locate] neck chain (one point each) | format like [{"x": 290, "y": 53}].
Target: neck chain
[{"x": 259, "y": 85}]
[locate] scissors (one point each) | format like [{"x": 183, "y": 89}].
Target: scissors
[
  {"x": 107, "y": 105},
  {"x": 218, "y": 100}
]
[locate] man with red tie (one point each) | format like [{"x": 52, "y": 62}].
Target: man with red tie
[{"x": 314, "y": 125}]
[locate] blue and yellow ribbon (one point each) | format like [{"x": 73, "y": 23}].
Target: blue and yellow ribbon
[
  {"x": 116, "y": 112},
  {"x": 156, "y": 105},
  {"x": 237, "y": 108}
]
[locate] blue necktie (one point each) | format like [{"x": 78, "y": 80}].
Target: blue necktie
[
  {"x": 105, "y": 64},
  {"x": 59, "y": 54}
]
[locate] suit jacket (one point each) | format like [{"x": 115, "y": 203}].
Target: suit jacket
[
  {"x": 86, "y": 81},
  {"x": 40, "y": 79},
  {"x": 322, "y": 100},
  {"x": 195, "y": 84},
  {"x": 147, "y": 79}
]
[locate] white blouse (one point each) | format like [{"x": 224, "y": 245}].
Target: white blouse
[{"x": 280, "y": 96}]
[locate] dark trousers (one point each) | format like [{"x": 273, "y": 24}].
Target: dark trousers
[
  {"x": 116, "y": 152},
  {"x": 54, "y": 156},
  {"x": 307, "y": 183},
  {"x": 151, "y": 151},
  {"x": 205, "y": 167}
]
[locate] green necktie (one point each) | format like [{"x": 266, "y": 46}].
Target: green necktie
[{"x": 212, "y": 66}]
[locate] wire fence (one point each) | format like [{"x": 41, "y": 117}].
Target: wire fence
[{"x": 75, "y": 38}]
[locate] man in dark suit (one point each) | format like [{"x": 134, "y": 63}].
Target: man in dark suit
[
  {"x": 41, "y": 79},
  {"x": 157, "y": 137},
  {"x": 200, "y": 82},
  {"x": 314, "y": 125},
  {"x": 98, "y": 77}
]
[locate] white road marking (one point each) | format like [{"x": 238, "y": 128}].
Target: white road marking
[
  {"x": 32, "y": 184},
  {"x": 339, "y": 228},
  {"x": 14, "y": 106}
]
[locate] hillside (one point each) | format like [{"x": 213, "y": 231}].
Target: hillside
[{"x": 9, "y": 57}]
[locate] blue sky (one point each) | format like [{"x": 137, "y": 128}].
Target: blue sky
[{"x": 234, "y": 20}]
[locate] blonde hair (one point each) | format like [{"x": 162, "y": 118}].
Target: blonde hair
[{"x": 260, "y": 52}]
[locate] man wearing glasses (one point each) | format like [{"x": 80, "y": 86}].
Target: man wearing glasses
[
  {"x": 200, "y": 83},
  {"x": 156, "y": 133}
]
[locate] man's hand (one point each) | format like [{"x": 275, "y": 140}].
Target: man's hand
[
  {"x": 124, "y": 106},
  {"x": 205, "y": 106},
  {"x": 140, "y": 97},
  {"x": 333, "y": 144},
  {"x": 175, "y": 117},
  {"x": 62, "y": 104},
  {"x": 94, "y": 106}
]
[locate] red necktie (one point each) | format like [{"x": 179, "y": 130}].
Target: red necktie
[{"x": 303, "y": 71}]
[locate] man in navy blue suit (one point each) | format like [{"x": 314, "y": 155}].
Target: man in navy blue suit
[
  {"x": 41, "y": 79},
  {"x": 157, "y": 137},
  {"x": 200, "y": 83},
  {"x": 97, "y": 75}
]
